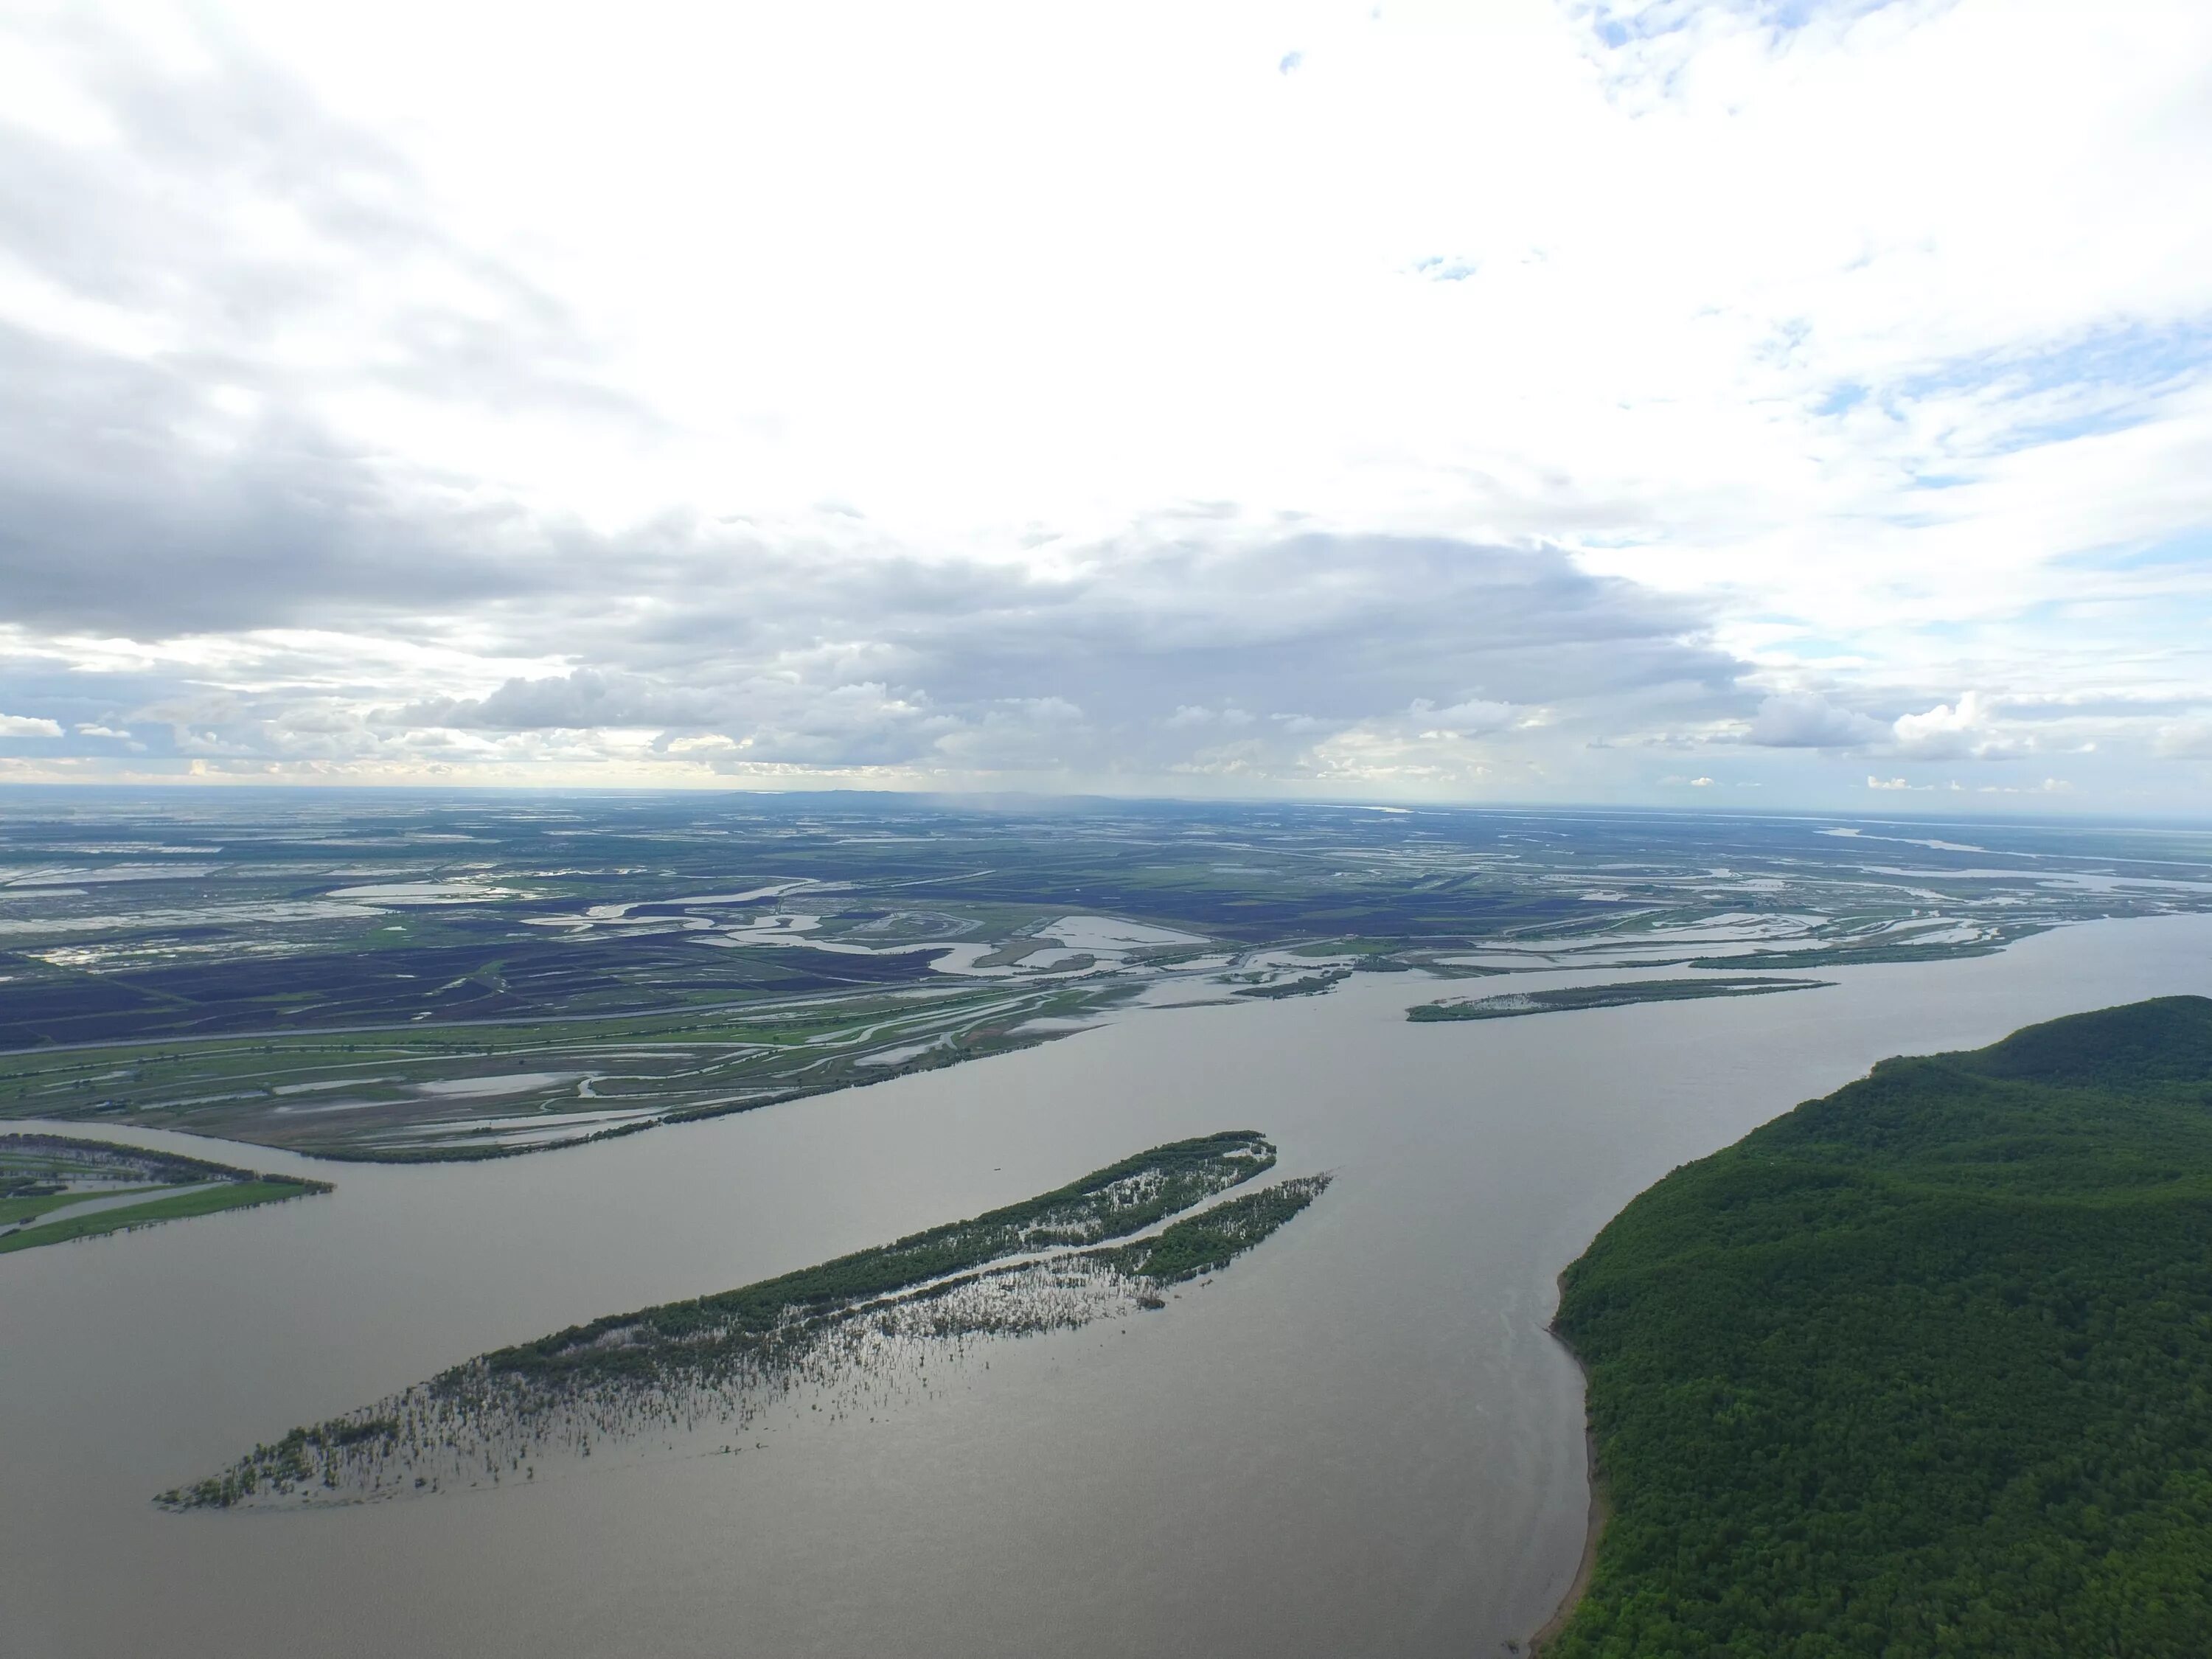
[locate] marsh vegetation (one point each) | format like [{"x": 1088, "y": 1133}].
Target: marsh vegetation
[
  {"x": 1511, "y": 1005},
  {"x": 855, "y": 1331},
  {"x": 485, "y": 978},
  {"x": 475, "y": 979},
  {"x": 57, "y": 1188}
]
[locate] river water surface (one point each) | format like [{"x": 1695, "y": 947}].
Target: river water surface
[{"x": 1359, "y": 1440}]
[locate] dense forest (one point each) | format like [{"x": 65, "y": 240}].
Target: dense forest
[{"x": 1923, "y": 1367}]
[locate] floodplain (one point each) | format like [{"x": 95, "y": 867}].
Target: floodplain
[
  {"x": 1363, "y": 1426},
  {"x": 54, "y": 1188},
  {"x": 1081, "y": 1252},
  {"x": 442, "y": 977},
  {"x": 1560, "y": 1000}
]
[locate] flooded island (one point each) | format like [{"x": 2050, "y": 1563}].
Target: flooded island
[
  {"x": 871, "y": 1321},
  {"x": 57, "y": 1188},
  {"x": 1511, "y": 1005}
]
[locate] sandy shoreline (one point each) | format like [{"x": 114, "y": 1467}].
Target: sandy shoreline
[{"x": 1600, "y": 1511}]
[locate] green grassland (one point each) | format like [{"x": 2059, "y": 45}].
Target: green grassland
[
  {"x": 383, "y": 1094},
  {"x": 234, "y": 1196},
  {"x": 1924, "y": 1368},
  {"x": 13, "y": 1210}
]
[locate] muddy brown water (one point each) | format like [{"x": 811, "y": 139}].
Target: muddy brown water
[{"x": 1359, "y": 1440}]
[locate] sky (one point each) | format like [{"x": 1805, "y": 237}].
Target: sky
[{"x": 1767, "y": 405}]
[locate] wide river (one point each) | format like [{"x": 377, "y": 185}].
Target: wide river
[{"x": 1359, "y": 1440}]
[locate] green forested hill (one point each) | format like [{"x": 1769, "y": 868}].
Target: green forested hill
[{"x": 1923, "y": 1367}]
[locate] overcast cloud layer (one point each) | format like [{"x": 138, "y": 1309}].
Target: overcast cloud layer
[{"x": 1761, "y": 403}]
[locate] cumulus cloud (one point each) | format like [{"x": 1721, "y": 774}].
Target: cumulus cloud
[
  {"x": 1808, "y": 721},
  {"x": 350, "y": 441},
  {"x": 1190, "y": 714},
  {"x": 1139, "y": 658},
  {"x": 28, "y": 726},
  {"x": 584, "y": 698},
  {"x": 1970, "y": 728},
  {"x": 1964, "y": 730},
  {"x": 2186, "y": 740},
  {"x": 1438, "y": 269},
  {"x": 1469, "y": 719}
]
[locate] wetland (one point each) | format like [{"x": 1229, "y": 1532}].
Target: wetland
[
  {"x": 1359, "y": 1439},
  {"x": 446, "y": 978},
  {"x": 1512, "y": 1004},
  {"x": 54, "y": 1188},
  {"x": 864, "y": 1323},
  {"x": 1363, "y": 1426}
]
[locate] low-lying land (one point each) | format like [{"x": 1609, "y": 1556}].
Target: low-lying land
[
  {"x": 1305, "y": 986},
  {"x": 1512, "y": 1003},
  {"x": 433, "y": 1092},
  {"x": 55, "y": 1188},
  {"x": 1058, "y": 1261},
  {"x": 1921, "y": 1368},
  {"x": 471, "y": 977}
]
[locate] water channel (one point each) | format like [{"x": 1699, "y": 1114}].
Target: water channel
[{"x": 1359, "y": 1440}]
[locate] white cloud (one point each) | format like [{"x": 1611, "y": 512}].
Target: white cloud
[
  {"x": 1471, "y": 718},
  {"x": 1191, "y": 715},
  {"x": 1964, "y": 730},
  {"x": 1808, "y": 721},
  {"x": 926, "y": 430},
  {"x": 28, "y": 726},
  {"x": 2188, "y": 740}
]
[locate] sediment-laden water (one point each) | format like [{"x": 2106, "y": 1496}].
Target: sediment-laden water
[
  {"x": 867, "y": 1324},
  {"x": 1357, "y": 1440}
]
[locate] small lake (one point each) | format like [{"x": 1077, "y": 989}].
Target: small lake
[{"x": 1359, "y": 1440}]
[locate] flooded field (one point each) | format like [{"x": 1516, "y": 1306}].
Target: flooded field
[{"x": 1363, "y": 1442}]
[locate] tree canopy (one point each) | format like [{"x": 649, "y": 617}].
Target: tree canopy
[{"x": 1921, "y": 1368}]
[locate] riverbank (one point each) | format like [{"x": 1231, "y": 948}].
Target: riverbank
[
  {"x": 1914, "y": 1367},
  {"x": 54, "y": 1188},
  {"x": 1600, "y": 1511},
  {"x": 1237, "y": 1493}
]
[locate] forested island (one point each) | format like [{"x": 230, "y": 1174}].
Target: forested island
[
  {"x": 1923, "y": 1367},
  {"x": 1511, "y": 1005},
  {"x": 57, "y": 1187},
  {"x": 850, "y": 1328}
]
